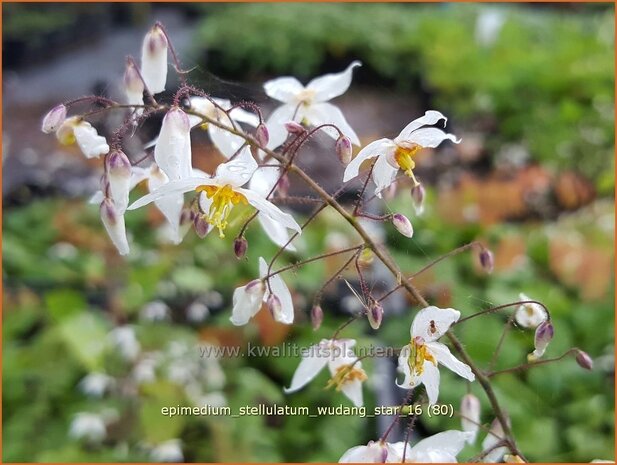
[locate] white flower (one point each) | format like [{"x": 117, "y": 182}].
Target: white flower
[
  {"x": 309, "y": 104},
  {"x": 172, "y": 152},
  {"x": 373, "y": 452},
  {"x": 168, "y": 451},
  {"x": 197, "y": 311},
  {"x": 154, "y": 60},
  {"x": 75, "y": 129},
  {"x": 123, "y": 338},
  {"x": 247, "y": 299},
  {"x": 145, "y": 369},
  {"x": 133, "y": 87},
  {"x": 529, "y": 315},
  {"x": 396, "y": 154},
  {"x": 155, "y": 311},
  {"x": 346, "y": 372},
  {"x": 440, "y": 448},
  {"x": 95, "y": 384},
  {"x": 221, "y": 192},
  {"x": 88, "y": 426},
  {"x": 488, "y": 26},
  {"x": 227, "y": 143},
  {"x": 494, "y": 436},
  {"x": 418, "y": 360}
]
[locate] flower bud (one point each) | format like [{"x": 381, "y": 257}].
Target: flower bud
[
  {"x": 262, "y": 135},
  {"x": 256, "y": 287},
  {"x": 316, "y": 317},
  {"x": 154, "y": 60},
  {"x": 172, "y": 152},
  {"x": 133, "y": 86},
  {"x": 294, "y": 128},
  {"x": 274, "y": 305},
  {"x": 375, "y": 314},
  {"x": 544, "y": 335},
  {"x": 487, "y": 261},
  {"x": 343, "y": 149},
  {"x": 118, "y": 167},
  {"x": 283, "y": 185},
  {"x": 470, "y": 415},
  {"x": 418, "y": 193},
  {"x": 53, "y": 119},
  {"x": 201, "y": 226},
  {"x": 114, "y": 225},
  {"x": 584, "y": 360},
  {"x": 240, "y": 246},
  {"x": 402, "y": 224}
]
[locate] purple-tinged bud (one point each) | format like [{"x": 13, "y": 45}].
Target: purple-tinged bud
[
  {"x": 343, "y": 149},
  {"x": 240, "y": 246},
  {"x": 133, "y": 85},
  {"x": 544, "y": 335},
  {"x": 418, "y": 193},
  {"x": 283, "y": 185},
  {"x": 201, "y": 226},
  {"x": 487, "y": 260},
  {"x": 316, "y": 317},
  {"x": 375, "y": 315},
  {"x": 118, "y": 164},
  {"x": 262, "y": 135},
  {"x": 470, "y": 416},
  {"x": 53, "y": 119},
  {"x": 118, "y": 167},
  {"x": 154, "y": 59},
  {"x": 274, "y": 305},
  {"x": 294, "y": 128},
  {"x": 402, "y": 224},
  {"x": 256, "y": 287},
  {"x": 114, "y": 225},
  {"x": 584, "y": 360}
]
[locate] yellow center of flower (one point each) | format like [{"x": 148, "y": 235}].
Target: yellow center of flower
[
  {"x": 306, "y": 96},
  {"x": 345, "y": 374},
  {"x": 223, "y": 200},
  {"x": 418, "y": 355},
  {"x": 404, "y": 159}
]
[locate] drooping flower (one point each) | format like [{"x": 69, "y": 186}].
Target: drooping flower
[
  {"x": 113, "y": 221},
  {"x": 309, "y": 104},
  {"x": 172, "y": 151},
  {"x": 75, "y": 129},
  {"x": 133, "y": 86},
  {"x": 154, "y": 59},
  {"x": 119, "y": 175},
  {"x": 470, "y": 415},
  {"x": 544, "y": 335},
  {"x": 529, "y": 315},
  {"x": 222, "y": 192},
  {"x": 418, "y": 360},
  {"x": 247, "y": 300},
  {"x": 398, "y": 154},
  {"x": 346, "y": 370},
  {"x": 493, "y": 451}
]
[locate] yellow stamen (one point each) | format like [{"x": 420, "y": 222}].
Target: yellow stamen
[
  {"x": 345, "y": 374},
  {"x": 223, "y": 200},
  {"x": 404, "y": 159},
  {"x": 417, "y": 356}
]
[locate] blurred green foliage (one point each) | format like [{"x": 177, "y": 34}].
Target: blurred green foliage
[{"x": 546, "y": 79}]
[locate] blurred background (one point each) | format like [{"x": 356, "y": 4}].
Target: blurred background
[{"x": 94, "y": 345}]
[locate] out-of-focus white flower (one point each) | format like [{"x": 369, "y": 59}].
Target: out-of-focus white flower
[
  {"x": 529, "y": 315},
  {"x": 495, "y": 435},
  {"x": 145, "y": 370},
  {"x": 172, "y": 151},
  {"x": 53, "y": 119},
  {"x": 133, "y": 87},
  {"x": 221, "y": 192},
  {"x": 309, "y": 104},
  {"x": 88, "y": 426},
  {"x": 399, "y": 153},
  {"x": 75, "y": 129},
  {"x": 168, "y": 451},
  {"x": 155, "y": 311},
  {"x": 154, "y": 59},
  {"x": 197, "y": 311},
  {"x": 96, "y": 384},
  {"x": 346, "y": 371},
  {"x": 470, "y": 415},
  {"x": 488, "y": 26},
  {"x": 418, "y": 360},
  {"x": 123, "y": 338}
]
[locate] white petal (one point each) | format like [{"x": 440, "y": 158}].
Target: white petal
[
  {"x": 114, "y": 225},
  {"x": 265, "y": 178},
  {"x": 119, "y": 187},
  {"x": 96, "y": 198},
  {"x": 360, "y": 454},
  {"x": 270, "y": 210},
  {"x": 243, "y": 116},
  {"x": 154, "y": 60},
  {"x": 308, "y": 368},
  {"x": 277, "y": 233},
  {"x": 91, "y": 144},
  {"x": 283, "y": 89},
  {"x": 377, "y": 148},
  {"x": 494, "y": 436},
  {"x": 226, "y": 142},
  {"x": 245, "y": 306},
  {"x": 172, "y": 152},
  {"x": 430, "y": 118},
  {"x": 431, "y": 137},
  {"x": 445, "y": 357},
  {"x": 447, "y": 444},
  {"x": 238, "y": 171},
  {"x": 170, "y": 189},
  {"x": 353, "y": 391},
  {"x": 276, "y": 124},
  {"x": 326, "y": 113},
  {"x": 279, "y": 289},
  {"x": 430, "y": 379},
  {"x": 328, "y": 86},
  {"x": 170, "y": 205},
  {"x": 410, "y": 381},
  {"x": 383, "y": 174},
  {"x": 441, "y": 318}
]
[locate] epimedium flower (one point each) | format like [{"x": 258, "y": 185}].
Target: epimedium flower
[
  {"x": 309, "y": 104},
  {"x": 154, "y": 59},
  {"x": 418, "y": 360},
  {"x": 345, "y": 369},
  {"x": 529, "y": 315},
  {"x": 492, "y": 446},
  {"x": 172, "y": 151},
  {"x": 222, "y": 192},
  {"x": 77, "y": 130},
  {"x": 247, "y": 300},
  {"x": 398, "y": 153}
]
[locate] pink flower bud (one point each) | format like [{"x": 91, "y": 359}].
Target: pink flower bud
[
  {"x": 316, "y": 317},
  {"x": 402, "y": 224},
  {"x": 418, "y": 193},
  {"x": 375, "y": 315},
  {"x": 201, "y": 226},
  {"x": 274, "y": 305},
  {"x": 283, "y": 185},
  {"x": 487, "y": 260},
  {"x": 118, "y": 164},
  {"x": 343, "y": 149},
  {"x": 470, "y": 415},
  {"x": 294, "y": 128},
  {"x": 262, "y": 135},
  {"x": 584, "y": 360},
  {"x": 240, "y": 246},
  {"x": 118, "y": 168},
  {"x": 133, "y": 85},
  {"x": 544, "y": 335},
  {"x": 154, "y": 60},
  {"x": 53, "y": 119}
]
